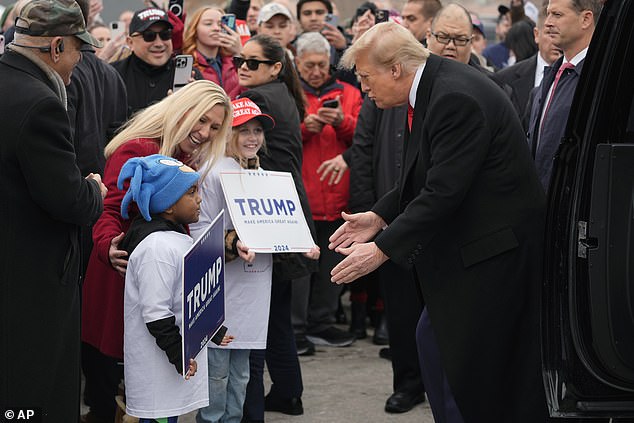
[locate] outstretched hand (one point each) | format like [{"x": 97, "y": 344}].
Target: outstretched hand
[
  {"x": 357, "y": 228},
  {"x": 362, "y": 259}
]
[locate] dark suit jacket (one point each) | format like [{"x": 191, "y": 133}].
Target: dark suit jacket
[
  {"x": 521, "y": 78},
  {"x": 468, "y": 216},
  {"x": 44, "y": 200},
  {"x": 552, "y": 131}
]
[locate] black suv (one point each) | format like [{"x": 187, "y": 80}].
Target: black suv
[{"x": 588, "y": 295}]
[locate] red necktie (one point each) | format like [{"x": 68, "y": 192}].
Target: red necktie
[
  {"x": 560, "y": 71},
  {"x": 410, "y": 116}
]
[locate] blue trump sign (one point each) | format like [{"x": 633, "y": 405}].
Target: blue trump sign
[{"x": 203, "y": 289}]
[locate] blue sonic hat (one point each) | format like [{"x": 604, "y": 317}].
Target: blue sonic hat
[{"x": 156, "y": 183}]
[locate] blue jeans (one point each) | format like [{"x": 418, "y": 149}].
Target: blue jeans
[{"x": 228, "y": 377}]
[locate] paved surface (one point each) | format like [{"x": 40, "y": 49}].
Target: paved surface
[
  {"x": 347, "y": 385},
  {"x": 344, "y": 385}
]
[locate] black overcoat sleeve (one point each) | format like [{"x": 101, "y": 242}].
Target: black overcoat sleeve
[
  {"x": 47, "y": 160},
  {"x": 451, "y": 148}
]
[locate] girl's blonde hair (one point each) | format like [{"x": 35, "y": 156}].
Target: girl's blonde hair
[
  {"x": 233, "y": 149},
  {"x": 172, "y": 119},
  {"x": 190, "y": 39}
]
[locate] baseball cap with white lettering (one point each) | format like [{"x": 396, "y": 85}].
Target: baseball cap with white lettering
[
  {"x": 245, "y": 109},
  {"x": 143, "y": 19}
]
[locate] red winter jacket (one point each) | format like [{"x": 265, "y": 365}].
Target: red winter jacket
[
  {"x": 328, "y": 201},
  {"x": 230, "y": 82},
  {"x": 103, "y": 289}
]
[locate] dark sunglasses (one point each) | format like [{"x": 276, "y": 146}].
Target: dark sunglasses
[
  {"x": 252, "y": 64},
  {"x": 150, "y": 36}
]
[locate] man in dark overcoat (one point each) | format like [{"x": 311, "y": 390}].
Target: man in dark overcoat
[
  {"x": 467, "y": 219},
  {"x": 45, "y": 199}
]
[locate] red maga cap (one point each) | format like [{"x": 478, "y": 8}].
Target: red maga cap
[{"x": 244, "y": 109}]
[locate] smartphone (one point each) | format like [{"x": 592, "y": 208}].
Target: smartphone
[
  {"x": 183, "y": 64},
  {"x": 229, "y": 20},
  {"x": 117, "y": 28},
  {"x": 331, "y": 19},
  {"x": 331, "y": 104},
  {"x": 1, "y": 44},
  {"x": 382, "y": 15},
  {"x": 176, "y": 7}
]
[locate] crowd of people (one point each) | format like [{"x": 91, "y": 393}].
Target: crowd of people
[{"x": 421, "y": 153}]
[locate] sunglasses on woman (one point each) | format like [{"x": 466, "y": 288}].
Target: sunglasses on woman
[
  {"x": 252, "y": 64},
  {"x": 149, "y": 36}
]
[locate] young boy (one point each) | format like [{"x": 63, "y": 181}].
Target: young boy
[{"x": 166, "y": 194}]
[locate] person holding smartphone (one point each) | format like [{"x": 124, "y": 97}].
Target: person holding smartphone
[
  {"x": 265, "y": 69},
  {"x": 213, "y": 45},
  {"x": 148, "y": 72},
  {"x": 364, "y": 18},
  {"x": 317, "y": 16},
  {"x": 327, "y": 130}
]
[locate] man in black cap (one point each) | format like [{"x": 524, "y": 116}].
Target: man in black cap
[
  {"x": 45, "y": 200},
  {"x": 148, "y": 72}
]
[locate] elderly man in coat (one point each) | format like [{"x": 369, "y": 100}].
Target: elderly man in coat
[{"x": 44, "y": 201}]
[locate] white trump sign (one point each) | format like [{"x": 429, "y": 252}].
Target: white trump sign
[{"x": 266, "y": 212}]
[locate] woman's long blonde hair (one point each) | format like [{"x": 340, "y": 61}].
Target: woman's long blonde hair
[{"x": 172, "y": 119}]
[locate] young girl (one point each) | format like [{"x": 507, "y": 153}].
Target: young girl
[
  {"x": 272, "y": 82},
  {"x": 247, "y": 275}
]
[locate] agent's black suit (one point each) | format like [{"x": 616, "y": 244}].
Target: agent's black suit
[
  {"x": 468, "y": 217},
  {"x": 544, "y": 137},
  {"x": 521, "y": 78}
]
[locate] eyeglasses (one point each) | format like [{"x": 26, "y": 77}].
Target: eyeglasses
[
  {"x": 150, "y": 36},
  {"x": 252, "y": 64},
  {"x": 446, "y": 39}
]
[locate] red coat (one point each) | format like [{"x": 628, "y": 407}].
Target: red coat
[
  {"x": 328, "y": 201},
  {"x": 230, "y": 81},
  {"x": 102, "y": 296}
]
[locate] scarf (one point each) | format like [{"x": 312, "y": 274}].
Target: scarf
[{"x": 58, "y": 85}]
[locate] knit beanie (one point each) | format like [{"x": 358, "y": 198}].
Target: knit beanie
[{"x": 156, "y": 183}]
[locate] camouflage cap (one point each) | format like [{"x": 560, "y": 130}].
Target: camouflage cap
[{"x": 54, "y": 18}]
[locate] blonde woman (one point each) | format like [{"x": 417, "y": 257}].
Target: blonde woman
[
  {"x": 213, "y": 46},
  {"x": 190, "y": 125}
]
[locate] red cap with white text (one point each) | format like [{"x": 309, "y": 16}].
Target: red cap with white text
[{"x": 244, "y": 109}]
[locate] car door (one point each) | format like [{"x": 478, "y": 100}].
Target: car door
[{"x": 588, "y": 287}]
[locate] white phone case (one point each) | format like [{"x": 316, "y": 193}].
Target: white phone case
[{"x": 183, "y": 64}]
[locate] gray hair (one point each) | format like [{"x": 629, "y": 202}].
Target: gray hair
[{"x": 312, "y": 42}]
